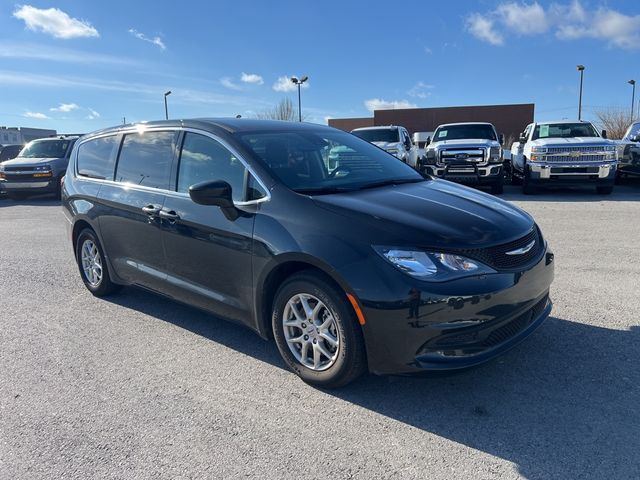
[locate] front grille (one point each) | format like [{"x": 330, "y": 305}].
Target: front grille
[
  {"x": 497, "y": 258},
  {"x": 475, "y": 155},
  {"x": 356, "y": 161},
  {"x": 515, "y": 326},
  {"x": 581, "y": 158},
  {"x": 591, "y": 149}
]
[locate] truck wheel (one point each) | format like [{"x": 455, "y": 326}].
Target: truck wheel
[
  {"x": 515, "y": 179},
  {"x": 497, "y": 188},
  {"x": 604, "y": 190}
]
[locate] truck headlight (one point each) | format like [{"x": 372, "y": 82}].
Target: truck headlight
[
  {"x": 433, "y": 266},
  {"x": 494, "y": 155},
  {"x": 538, "y": 149},
  {"x": 430, "y": 157},
  {"x": 610, "y": 152}
]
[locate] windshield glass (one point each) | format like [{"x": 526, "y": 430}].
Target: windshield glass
[
  {"x": 564, "y": 130},
  {"x": 389, "y": 135},
  {"x": 632, "y": 131},
  {"x": 461, "y": 132},
  {"x": 326, "y": 161},
  {"x": 45, "y": 149}
]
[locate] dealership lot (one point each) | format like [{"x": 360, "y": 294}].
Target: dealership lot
[{"x": 137, "y": 386}]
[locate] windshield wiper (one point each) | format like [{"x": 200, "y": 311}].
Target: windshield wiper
[
  {"x": 321, "y": 190},
  {"x": 397, "y": 181}
]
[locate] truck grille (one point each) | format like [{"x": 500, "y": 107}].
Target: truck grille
[
  {"x": 459, "y": 155},
  {"x": 497, "y": 257},
  {"x": 356, "y": 161},
  {"x": 581, "y": 158},
  {"x": 593, "y": 149}
]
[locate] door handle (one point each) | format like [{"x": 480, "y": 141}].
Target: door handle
[
  {"x": 170, "y": 215},
  {"x": 151, "y": 210}
]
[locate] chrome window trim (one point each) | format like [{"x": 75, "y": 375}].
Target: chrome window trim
[{"x": 174, "y": 193}]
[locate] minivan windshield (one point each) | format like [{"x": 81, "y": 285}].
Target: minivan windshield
[
  {"x": 462, "y": 132},
  {"x": 564, "y": 130},
  {"x": 388, "y": 135},
  {"x": 45, "y": 149},
  {"x": 326, "y": 161}
]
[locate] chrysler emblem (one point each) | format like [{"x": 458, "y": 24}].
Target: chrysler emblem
[{"x": 523, "y": 250}]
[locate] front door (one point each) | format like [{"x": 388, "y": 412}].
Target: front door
[{"x": 209, "y": 255}]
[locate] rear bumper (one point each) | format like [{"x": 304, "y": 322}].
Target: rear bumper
[
  {"x": 599, "y": 173},
  {"x": 456, "y": 324}
]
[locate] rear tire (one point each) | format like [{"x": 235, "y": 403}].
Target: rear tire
[
  {"x": 604, "y": 190},
  {"x": 93, "y": 266},
  {"x": 316, "y": 331}
]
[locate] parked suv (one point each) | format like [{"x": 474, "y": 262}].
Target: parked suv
[
  {"x": 393, "y": 139},
  {"x": 348, "y": 269},
  {"x": 38, "y": 168},
  {"x": 468, "y": 153},
  {"x": 564, "y": 153}
]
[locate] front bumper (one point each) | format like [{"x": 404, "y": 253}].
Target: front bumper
[
  {"x": 542, "y": 172},
  {"x": 49, "y": 184},
  {"x": 459, "y": 324},
  {"x": 467, "y": 174}
]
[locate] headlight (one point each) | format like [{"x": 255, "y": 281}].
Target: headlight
[
  {"x": 494, "y": 154},
  {"x": 539, "y": 149},
  {"x": 433, "y": 266},
  {"x": 393, "y": 151},
  {"x": 430, "y": 157}
]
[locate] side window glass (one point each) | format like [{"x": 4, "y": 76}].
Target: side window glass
[
  {"x": 204, "y": 159},
  {"x": 145, "y": 159},
  {"x": 254, "y": 189},
  {"x": 96, "y": 158}
]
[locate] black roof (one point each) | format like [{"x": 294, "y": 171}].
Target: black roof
[{"x": 231, "y": 125}]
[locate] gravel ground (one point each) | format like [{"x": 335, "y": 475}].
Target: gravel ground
[{"x": 139, "y": 387}]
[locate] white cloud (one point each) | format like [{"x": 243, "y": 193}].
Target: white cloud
[
  {"x": 381, "y": 104},
  {"x": 420, "y": 90},
  {"x": 252, "y": 78},
  {"x": 284, "y": 84},
  {"x": 228, "y": 83},
  {"x": 92, "y": 114},
  {"x": 482, "y": 27},
  {"x": 157, "y": 41},
  {"x": 39, "y": 51},
  {"x": 428, "y": 51},
  {"x": 569, "y": 21},
  {"x": 35, "y": 115},
  {"x": 65, "y": 107},
  {"x": 55, "y": 22}
]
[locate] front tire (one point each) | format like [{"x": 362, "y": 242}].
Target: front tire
[
  {"x": 316, "y": 331},
  {"x": 93, "y": 266},
  {"x": 498, "y": 187}
]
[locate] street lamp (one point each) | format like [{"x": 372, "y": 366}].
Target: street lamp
[
  {"x": 633, "y": 96},
  {"x": 166, "y": 110},
  {"x": 581, "y": 70},
  {"x": 299, "y": 81}
]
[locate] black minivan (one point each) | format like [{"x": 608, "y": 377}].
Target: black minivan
[{"x": 351, "y": 264}]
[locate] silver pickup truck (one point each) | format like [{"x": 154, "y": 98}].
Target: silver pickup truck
[{"x": 564, "y": 153}]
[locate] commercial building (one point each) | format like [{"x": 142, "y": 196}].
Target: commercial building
[
  {"x": 508, "y": 119},
  {"x": 22, "y": 135}
]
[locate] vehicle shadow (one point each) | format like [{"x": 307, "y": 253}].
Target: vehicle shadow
[
  {"x": 627, "y": 192},
  {"x": 34, "y": 201},
  {"x": 564, "y": 404}
]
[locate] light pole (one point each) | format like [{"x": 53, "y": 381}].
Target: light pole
[
  {"x": 166, "y": 110},
  {"x": 299, "y": 81},
  {"x": 633, "y": 96},
  {"x": 581, "y": 70}
]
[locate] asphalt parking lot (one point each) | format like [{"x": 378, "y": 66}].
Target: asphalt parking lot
[{"x": 139, "y": 387}]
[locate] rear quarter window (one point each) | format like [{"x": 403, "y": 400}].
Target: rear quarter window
[{"x": 96, "y": 157}]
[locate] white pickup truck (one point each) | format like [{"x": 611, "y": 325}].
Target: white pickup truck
[
  {"x": 392, "y": 138},
  {"x": 565, "y": 153}
]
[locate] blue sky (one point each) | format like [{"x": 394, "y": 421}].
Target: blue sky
[{"x": 79, "y": 66}]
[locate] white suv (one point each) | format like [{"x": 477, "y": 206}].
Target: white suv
[{"x": 393, "y": 139}]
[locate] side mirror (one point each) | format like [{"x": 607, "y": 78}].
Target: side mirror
[
  {"x": 407, "y": 144},
  {"x": 501, "y": 138},
  {"x": 635, "y": 138},
  {"x": 522, "y": 139},
  {"x": 604, "y": 134},
  {"x": 428, "y": 141},
  {"x": 218, "y": 193}
]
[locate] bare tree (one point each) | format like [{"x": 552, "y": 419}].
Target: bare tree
[
  {"x": 284, "y": 110},
  {"x": 614, "y": 120}
]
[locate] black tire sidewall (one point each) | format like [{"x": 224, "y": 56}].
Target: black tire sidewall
[
  {"x": 349, "y": 363},
  {"x": 106, "y": 286}
]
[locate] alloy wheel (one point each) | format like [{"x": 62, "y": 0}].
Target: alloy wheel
[{"x": 91, "y": 263}]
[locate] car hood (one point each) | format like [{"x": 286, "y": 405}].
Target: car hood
[
  {"x": 26, "y": 162},
  {"x": 387, "y": 145},
  {"x": 563, "y": 142},
  {"x": 432, "y": 214}
]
